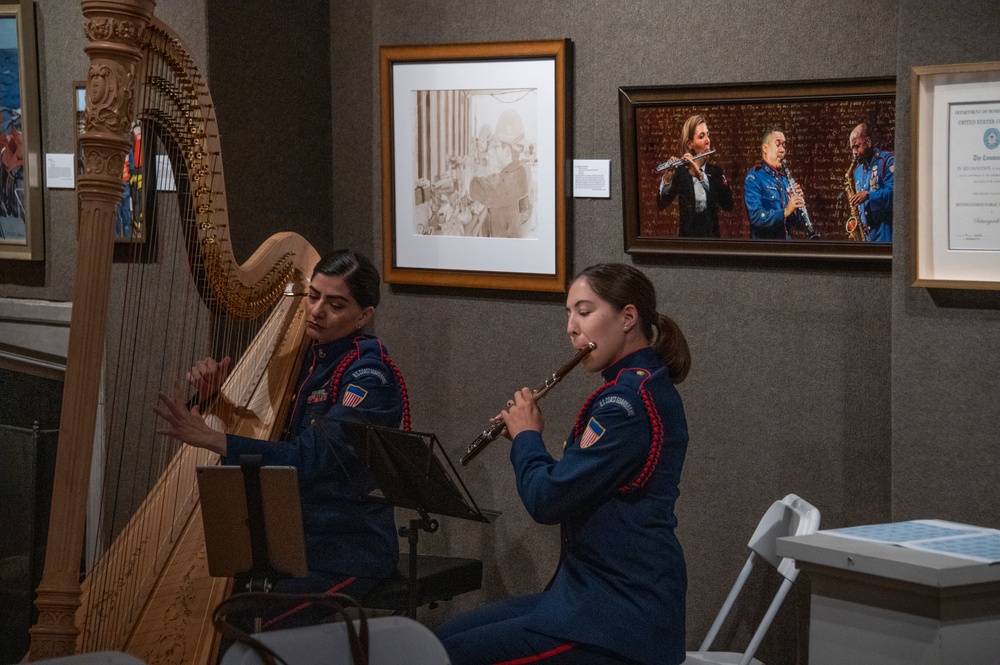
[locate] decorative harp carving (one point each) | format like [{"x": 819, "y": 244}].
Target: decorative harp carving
[{"x": 149, "y": 593}]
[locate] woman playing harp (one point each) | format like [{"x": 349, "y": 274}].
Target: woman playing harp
[
  {"x": 136, "y": 326},
  {"x": 346, "y": 377}
]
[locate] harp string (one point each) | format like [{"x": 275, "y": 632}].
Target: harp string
[
  {"x": 182, "y": 278},
  {"x": 161, "y": 261}
]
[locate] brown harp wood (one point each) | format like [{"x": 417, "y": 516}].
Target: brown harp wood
[{"x": 181, "y": 297}]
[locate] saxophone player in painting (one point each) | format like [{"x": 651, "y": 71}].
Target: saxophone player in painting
[{"x": 873, "y": 182}]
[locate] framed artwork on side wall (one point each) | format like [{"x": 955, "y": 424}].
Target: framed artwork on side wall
[
  {"x": 21, "y": 216},
  {"x": 473, "y": 165},
  {"x": 130, "y": 217},
  {"x": 801, "y": 169}
]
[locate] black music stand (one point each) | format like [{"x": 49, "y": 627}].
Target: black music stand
[
  {"x": 409, "y": 474},
  {"x": 252, "y": 518}
]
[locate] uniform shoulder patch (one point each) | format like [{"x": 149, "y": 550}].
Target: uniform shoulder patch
[
  {"x": 617, "y": 400},
  {"x": 353, "y": 395},
  {"x": 370, "y": 371},
  {"x": 593, "y": 432}
]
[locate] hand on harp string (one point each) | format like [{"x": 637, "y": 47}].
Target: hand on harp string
[
  {"x": 207, "y": 376},
  {"x": 186, "y": 423}
]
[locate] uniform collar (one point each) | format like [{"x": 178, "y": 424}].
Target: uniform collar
[
  {"x": 329, "y": 351},
  {"x": 876, "y": 156},
  {"x": 645, "y": 357},
  {"x": 775, "y": 173}
]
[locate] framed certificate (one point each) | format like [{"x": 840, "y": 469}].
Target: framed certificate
[{"x": 956, "y": 165}]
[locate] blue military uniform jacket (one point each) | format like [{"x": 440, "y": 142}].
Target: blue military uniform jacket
[
  {"x": 351, "y": 379},
  {"x": 621, "y": 580},
  {"x": 765, "y": 193},
  {"x": 876, "y": 178}
]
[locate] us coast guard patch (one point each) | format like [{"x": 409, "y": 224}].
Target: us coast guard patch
[
  {"x": 353, "y": 395},
  {"x": 593, "y": 432}
]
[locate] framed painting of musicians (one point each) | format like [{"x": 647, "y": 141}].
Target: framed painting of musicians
[
  {"x": 473, "y": 164},
  {"x": 797, "y": 169}
]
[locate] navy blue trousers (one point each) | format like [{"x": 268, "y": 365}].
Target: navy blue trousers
[{"x": 496, "y": 634}]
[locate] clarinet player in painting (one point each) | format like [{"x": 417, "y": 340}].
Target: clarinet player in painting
[
  {"x": 699, "y": 187},
  {"x": 773, "y": 207},
  {"x": 873, "y": 184}
]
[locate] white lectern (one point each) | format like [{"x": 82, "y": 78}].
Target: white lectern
[{"x": 880, "y": 604}]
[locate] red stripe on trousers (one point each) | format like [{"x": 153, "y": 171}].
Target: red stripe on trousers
[
  {"x": 299, "y": 608},
  {"x": 542, "y": 656}
]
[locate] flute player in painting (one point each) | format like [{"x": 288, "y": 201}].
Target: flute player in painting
[{"x": 699, "y": 187}]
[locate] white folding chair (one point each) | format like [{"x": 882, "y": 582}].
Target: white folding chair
[
  {"x": 791, "y": 516},
  {"x": 393, "y": 641},
  {"x": 96, "y": 658}
]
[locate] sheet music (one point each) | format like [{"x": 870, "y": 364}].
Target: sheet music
[{"x": 950, "y": 538}]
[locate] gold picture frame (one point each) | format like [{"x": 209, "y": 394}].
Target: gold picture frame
[{"x": 473, "y": 165}]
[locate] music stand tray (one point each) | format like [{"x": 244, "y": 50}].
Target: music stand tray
[
  {"x": 409, "y": 473},
  {"x": 229, "y": 530}
]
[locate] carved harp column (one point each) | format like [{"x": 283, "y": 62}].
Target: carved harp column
[
  {"x": 114, "y": 31},
  {"x": 181, "y": 296}
]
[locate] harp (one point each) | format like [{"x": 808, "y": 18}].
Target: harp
[{"x": 149, "y": 593}]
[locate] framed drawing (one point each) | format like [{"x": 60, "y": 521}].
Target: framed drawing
[
  {"x": 130, "y": 224},
  {"x": 798, "y": 169},
  {"x": 21, "y": 216},
  {"x": 473, "y": 165},
  {"x": 956, "y": 166}
]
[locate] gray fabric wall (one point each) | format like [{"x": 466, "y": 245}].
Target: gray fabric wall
[
  {"x": 790, "y": 390},
  {"x": 872, "y": 399},
  {"x": 945, "y": 351}
]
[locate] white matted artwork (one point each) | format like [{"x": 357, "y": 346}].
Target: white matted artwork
[
  {"x": 956, "y": 157},
  {"x": 473, "y": 165}
]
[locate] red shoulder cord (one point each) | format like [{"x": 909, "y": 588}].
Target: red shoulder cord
[
  {"x": 354, "y": 355},
  {"x": 656, "y": 444}
]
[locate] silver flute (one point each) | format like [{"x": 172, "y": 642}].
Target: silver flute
[
  {"x": 493, "y": 432},
  {"x": 679, "y": 162}
]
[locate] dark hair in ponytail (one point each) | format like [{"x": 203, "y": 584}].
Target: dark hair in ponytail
[
  {"x": 619, "y": 285},
  {"x": 358, "y": 272}
]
